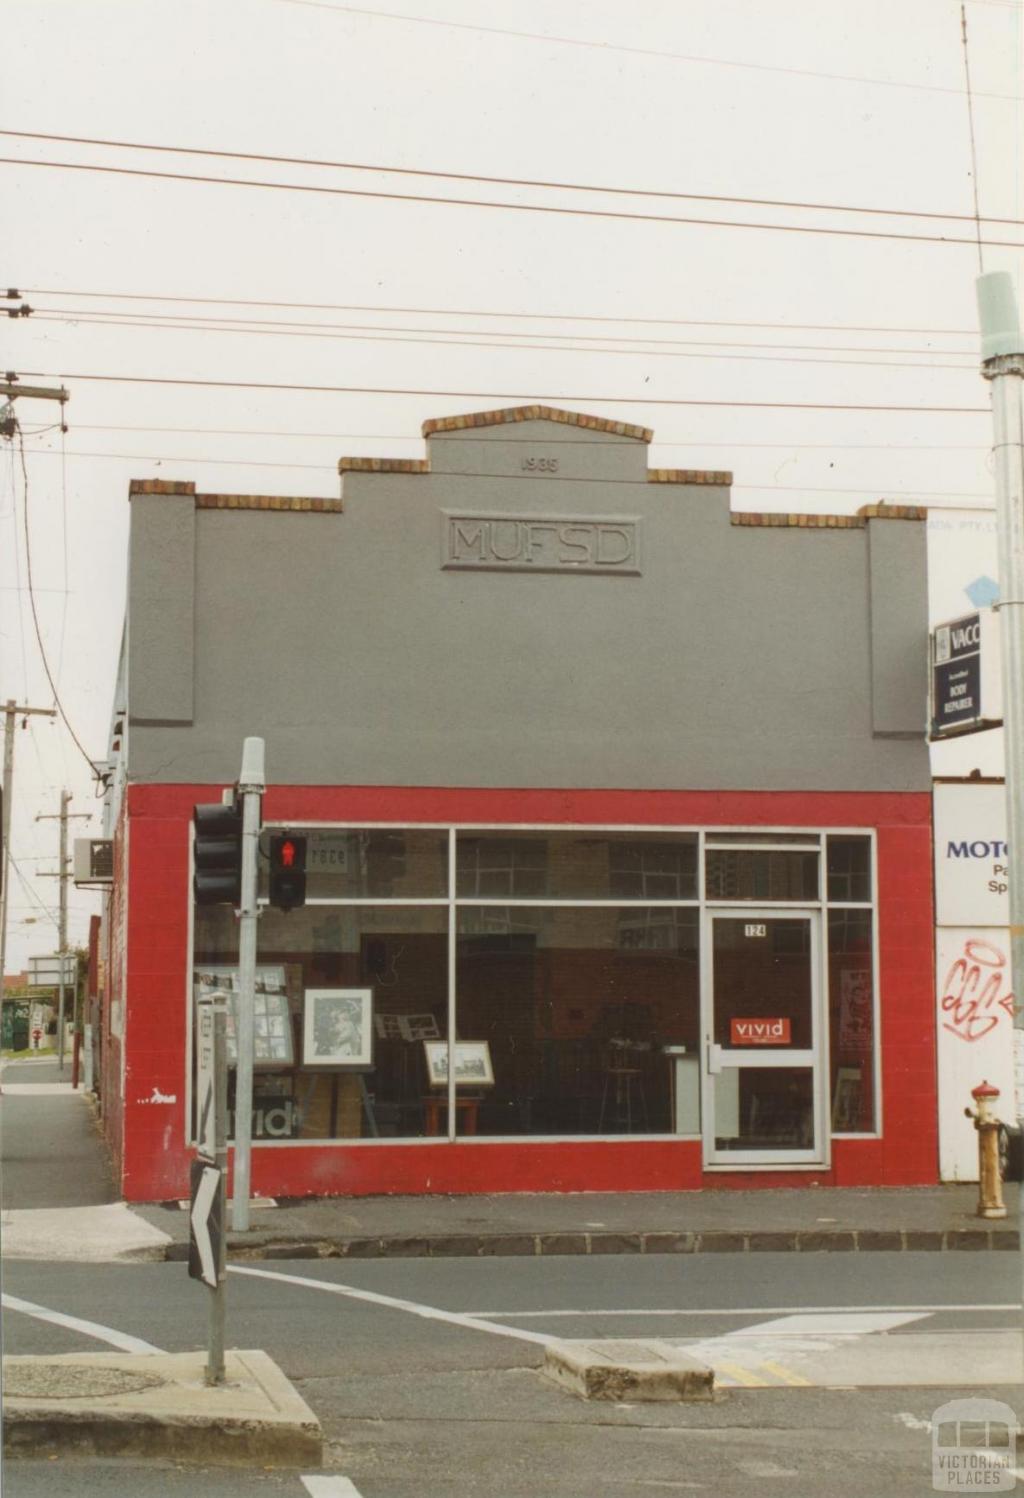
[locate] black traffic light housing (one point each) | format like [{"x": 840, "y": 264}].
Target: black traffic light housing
[
  {"x": 287, "y": 871},
  {"x": 217, "y": 854}
]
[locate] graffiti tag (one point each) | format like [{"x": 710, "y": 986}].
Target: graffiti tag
[{"x": 972, "y": 995}]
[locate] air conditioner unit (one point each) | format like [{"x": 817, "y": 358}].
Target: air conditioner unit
[{"x": 94, "y": 860}]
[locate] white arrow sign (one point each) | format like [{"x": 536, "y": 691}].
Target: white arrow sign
[{"x": 202, "y": 1205}]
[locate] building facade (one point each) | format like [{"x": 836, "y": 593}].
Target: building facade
[{"x": 623, "y": 794}]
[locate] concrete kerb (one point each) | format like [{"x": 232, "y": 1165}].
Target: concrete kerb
[
  {"x": 158, "y": 1405},
  {"x": 242, "y": 1247},
  {"x": 648, "y": 1371}
]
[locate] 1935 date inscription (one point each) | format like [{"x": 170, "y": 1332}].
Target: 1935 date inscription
[{"x": 539, "y": 465}]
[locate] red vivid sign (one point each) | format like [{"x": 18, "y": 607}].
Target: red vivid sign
[{"x": 760, "y": 1031}]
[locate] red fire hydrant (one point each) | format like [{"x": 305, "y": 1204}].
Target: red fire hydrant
[{"x": 990, "y": 1184}]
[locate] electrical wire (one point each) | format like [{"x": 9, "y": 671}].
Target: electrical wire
[
  {"x": 530, "y": 397},
  {"x": 35, "y": 620},
  {"x": 910, "y": 447},
  {"x": 96, "y": 320},
  {"x": 546, "y": 184},
  {"x": 37, "y": 900},
  {"x": 64, "y": 547},
  {"x": 689, "y": 322},
  {"x": 661, "y": 55},
  {"x": 547, "y": 478},
  {"x": 261, "y": 324},
  {"x": 436, "y": 200},
  {"x": 970, "y": 125},
  {"x": 17, "y": 576}
]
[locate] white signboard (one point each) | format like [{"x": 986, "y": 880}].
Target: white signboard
[
  {"x": 970, "y": 855},
  {"x": 44, "y": 972},
  {"x": 963, "y": 578},
  {"x": 974, "y": 1023}
]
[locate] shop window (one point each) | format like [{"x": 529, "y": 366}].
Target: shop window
[
  {"x": 851, "y": 1021},
  {"x": 716, "y": 839},
  {"x": 582, "y": 1033},
  {"x": 849, "y": 868},
  {"x": 491, "y": 867},
  {"x": 578, "y": 866},
  {"x": 370, "y": 863},
  {"x": 346, "y": 999},
  {"x": 760, "y": 874}
]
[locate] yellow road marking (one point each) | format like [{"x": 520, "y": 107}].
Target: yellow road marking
[
  {"x": 740, "y": 1375},
  {"x": 787, "y": 1375}
]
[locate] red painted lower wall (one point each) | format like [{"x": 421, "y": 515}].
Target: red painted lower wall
[{"x": 155, "y": 1159}]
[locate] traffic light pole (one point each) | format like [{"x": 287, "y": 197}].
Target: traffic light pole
[
  {"x": 251, "y": 785},
  {"x": 1002, "y": 352}
]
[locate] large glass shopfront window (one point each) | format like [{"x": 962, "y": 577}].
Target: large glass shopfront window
[
  {"x": 583, "y": 1011},
  {"x": 566, "y": 965}
]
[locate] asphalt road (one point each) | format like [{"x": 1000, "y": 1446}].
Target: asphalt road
[{"x": 417, "y": 1404}]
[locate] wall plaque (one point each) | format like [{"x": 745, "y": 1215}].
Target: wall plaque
[{"x": 494, "y": 541}]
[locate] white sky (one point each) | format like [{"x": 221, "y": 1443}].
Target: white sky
[{"x": 851, "y": 102}]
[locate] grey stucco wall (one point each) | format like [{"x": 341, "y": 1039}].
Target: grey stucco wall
[
  {"x": 161, "y": 611},
  {"x": 740, "y": 658}
]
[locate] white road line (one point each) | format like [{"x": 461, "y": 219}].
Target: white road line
[
  {"x": 330, "y": 1487},
  {"x": 429, "y": 1313},
  {"x": 75, "y": 1324},
  {"x": 742, "y": 1311}
]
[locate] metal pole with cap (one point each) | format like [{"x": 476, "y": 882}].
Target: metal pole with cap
[
  {"x": 251, "y": 785},
  {"x": 1002, "y": 354}
]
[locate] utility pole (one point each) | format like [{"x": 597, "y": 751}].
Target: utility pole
[
  {"x": 63, "y": 874},
  {"x": 1002, "y": 353},
  {"x": 11, "y": 712}
]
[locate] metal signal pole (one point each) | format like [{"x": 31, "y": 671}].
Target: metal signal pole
[
  {"x": 251, "y": 785},
  {"x": 1002, "y": 353}
]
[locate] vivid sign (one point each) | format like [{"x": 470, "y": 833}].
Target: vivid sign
[{"x": 760, "y": 1032}]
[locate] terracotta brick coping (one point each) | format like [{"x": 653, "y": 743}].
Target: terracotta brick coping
[
  {"x": 513, "y": 414},
  {"x": 855, "y": 522},
  {"x": 278, "y": 503}
]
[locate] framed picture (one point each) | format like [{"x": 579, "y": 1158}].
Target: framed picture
[
  {"x": 337, "y": 1028},
  {"x": 846, "y": 1101},
  {"x": 472, "y": 1063},
  {"x": 272, "y": 1029}
]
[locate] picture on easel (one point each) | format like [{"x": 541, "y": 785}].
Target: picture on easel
[
  {"x": 472, "y": 1063},
  {"x": 337, "y": 1028}
]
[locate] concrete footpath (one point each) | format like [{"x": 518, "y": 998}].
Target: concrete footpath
[
  {"x": 809, "y": 1220},
  {"x": 59, "y": 1203}
]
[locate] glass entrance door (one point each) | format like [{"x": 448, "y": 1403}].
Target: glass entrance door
[{"x": 762, "y": 1040}]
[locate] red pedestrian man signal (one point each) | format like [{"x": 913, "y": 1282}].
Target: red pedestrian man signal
[{"x": 287, "y": 871}]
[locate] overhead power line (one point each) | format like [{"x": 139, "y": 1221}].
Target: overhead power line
[
  {"x": 436, "y": 200},
  {"x": 667, "y": 322},
  {"x": 38, "y": 631},
  {"x": 653, "y": 52},
  {"x": 547, "y": 184},
  {"x": 889, "y": 447},
  {"x": 531, "y": 396},
  {"x": 862, "y": 489},
  {"x": 290, "y": 325},
  {"x": 395, "y": 336}
]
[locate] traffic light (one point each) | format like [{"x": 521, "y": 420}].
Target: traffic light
[
  {"x": 217, "y": 854},
  {"x": 287, "y": 871}
]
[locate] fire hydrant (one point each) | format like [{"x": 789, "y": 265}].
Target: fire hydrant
[{"x": 990, "y": 1184}]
